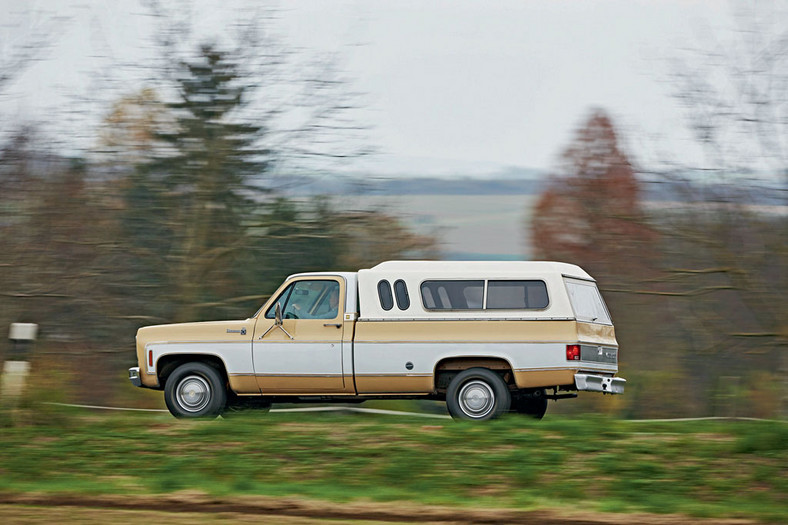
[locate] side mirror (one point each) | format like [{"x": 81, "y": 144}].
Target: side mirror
[{"x": 278, "y": 315}]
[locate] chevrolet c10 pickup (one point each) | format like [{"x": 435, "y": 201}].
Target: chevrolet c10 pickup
[{"x": 485, "y": 337}]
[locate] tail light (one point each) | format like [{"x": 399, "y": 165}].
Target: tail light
[
  {"x": 573, "y": 352},
  {"x": 150, "y": 358}
]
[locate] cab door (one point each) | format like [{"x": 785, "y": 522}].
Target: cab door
[{"x": 304, "y": 353}]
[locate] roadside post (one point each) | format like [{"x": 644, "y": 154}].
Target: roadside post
[{"x": 17, "y": 363}]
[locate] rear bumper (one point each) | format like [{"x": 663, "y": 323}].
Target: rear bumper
[
  {"x": 134, "y": 376},
  {"x": 594, "y": 383}
]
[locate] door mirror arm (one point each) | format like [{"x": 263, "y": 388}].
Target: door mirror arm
[{"x": 277, "y": 322}]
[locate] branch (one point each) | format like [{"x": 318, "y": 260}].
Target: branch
[
  {"x": 692, "y": 293},
  {"x": 241, "y": 299}
]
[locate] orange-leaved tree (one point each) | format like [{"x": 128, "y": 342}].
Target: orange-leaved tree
[{"x": 590, "y": 214}]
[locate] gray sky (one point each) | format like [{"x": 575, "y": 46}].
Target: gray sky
[{"x": 460, "y": 85}]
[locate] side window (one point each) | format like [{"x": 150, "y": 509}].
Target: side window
[
  {"x": 384, "y": 294},
  {"x": 517, "y": 295},
  {"x": 282, "y": 301},
  {"x": 308, "y": 300},
  {"x": 401, "y": 293},
  {"x": 452, "y": 295}
]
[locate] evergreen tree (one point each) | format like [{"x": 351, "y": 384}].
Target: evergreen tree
[{"x": 189, "y": 208}]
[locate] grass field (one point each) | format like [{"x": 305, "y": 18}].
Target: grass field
[{"x": 700, "y": 469}]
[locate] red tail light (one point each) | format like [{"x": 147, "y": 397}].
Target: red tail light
[
  {"x": 150, "y": 358},
  {"x": 573, "y": 352}
]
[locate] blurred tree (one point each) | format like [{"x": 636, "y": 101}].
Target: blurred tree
[
  {"x": 315, "y": 236},
  {"x": 189, "y": 206},
  {"x": 176, "y": 215},
  {"x": 207, "y": 234},
  {"x": 727, "y": 246},
  {"x": 590, "y": 214},
  {"x": 128, "y": 135},
  {"x": 53, "y": 233}
]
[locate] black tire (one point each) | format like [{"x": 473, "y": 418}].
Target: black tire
[
  {"x": 477, "y": 394},
  {"x": 195, "y": 390},
  {"x": 534, "y": 407}
]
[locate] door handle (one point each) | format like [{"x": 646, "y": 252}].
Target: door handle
[{"x": 338, "y": 325}]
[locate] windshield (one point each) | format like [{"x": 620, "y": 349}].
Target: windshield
[{"x": 587, "y": 301}]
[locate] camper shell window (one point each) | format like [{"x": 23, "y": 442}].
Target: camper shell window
[
  {"x": 470, "y": 295},
  {"x": 384, "y": 294},
  {"x": 452, "y": 295},
  {"x": 516, "y": 295},
  {"x": 401, "y": 293}
]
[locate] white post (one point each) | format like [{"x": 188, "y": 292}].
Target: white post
[{"x": 17, "y": 366}]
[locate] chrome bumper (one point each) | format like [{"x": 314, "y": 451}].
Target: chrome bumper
[
  {"x": 593, "y": 383},
  {"x": 134, "y": 376}
]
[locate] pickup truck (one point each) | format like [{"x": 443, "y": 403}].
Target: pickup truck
[{"x": 485, "y": 337}]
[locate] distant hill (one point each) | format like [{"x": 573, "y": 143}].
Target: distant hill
[{"x": 514, "y": 182}]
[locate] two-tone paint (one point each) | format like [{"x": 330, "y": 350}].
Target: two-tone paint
[{"x": 368, "y": 351}]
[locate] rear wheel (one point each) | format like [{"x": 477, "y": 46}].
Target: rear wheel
[
  {"x": 195, "y": 390},
  {"x": 477, "y": 394}
]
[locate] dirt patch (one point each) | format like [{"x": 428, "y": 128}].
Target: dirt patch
[{"x": 202, "y": 504}]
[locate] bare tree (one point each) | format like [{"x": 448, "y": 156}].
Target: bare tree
[{"x": 726, "y": 243}]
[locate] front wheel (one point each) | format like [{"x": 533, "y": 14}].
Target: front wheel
[
  {"x": 195, "y": 390},
  {"x": 477, "y": 394}
]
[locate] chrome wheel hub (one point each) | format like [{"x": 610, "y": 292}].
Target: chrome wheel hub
[
  {"x": 476, "y": 399},
  {"x": 193, "y": 393}
]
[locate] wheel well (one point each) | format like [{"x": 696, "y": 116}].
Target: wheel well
[
  {"x": 446, "y": 369},
  {"x": 167, "y": 364}
]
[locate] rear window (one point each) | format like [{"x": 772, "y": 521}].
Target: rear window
[{"x": 587, "y": 301}]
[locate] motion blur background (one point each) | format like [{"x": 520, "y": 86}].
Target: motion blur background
[{"x": 174, "y": 161}]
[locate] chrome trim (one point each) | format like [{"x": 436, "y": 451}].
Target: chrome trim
[
  {"x": 193, "y": 393},
  {"x": 594, "y": 383},
  {"x": 134, "y": 376},
  {"x": 476, "y": 399},
  {"x": 299, "y": 375},
  {"x": 434, "y": 319},
  {"x": 198, "y": 341},
  {"x": 395, "y": 375}
]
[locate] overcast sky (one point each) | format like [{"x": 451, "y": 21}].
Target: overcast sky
[{"x": 457, "y": 85}]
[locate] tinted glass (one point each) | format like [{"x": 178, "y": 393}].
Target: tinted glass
[
  {"x": 282, "y": 301},
  {"x": 401, "y": 292},
  {"x": 308, "y": 300},
  {"x": 452, "y": 295},
  {"x": 384, "y": 294},
  {"x": 517, "y": 295}
]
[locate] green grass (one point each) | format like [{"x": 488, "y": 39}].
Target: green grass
[{"x": 708, "y": 468}]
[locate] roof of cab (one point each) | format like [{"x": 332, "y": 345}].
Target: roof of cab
[{"x": 476, "y": 268}]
